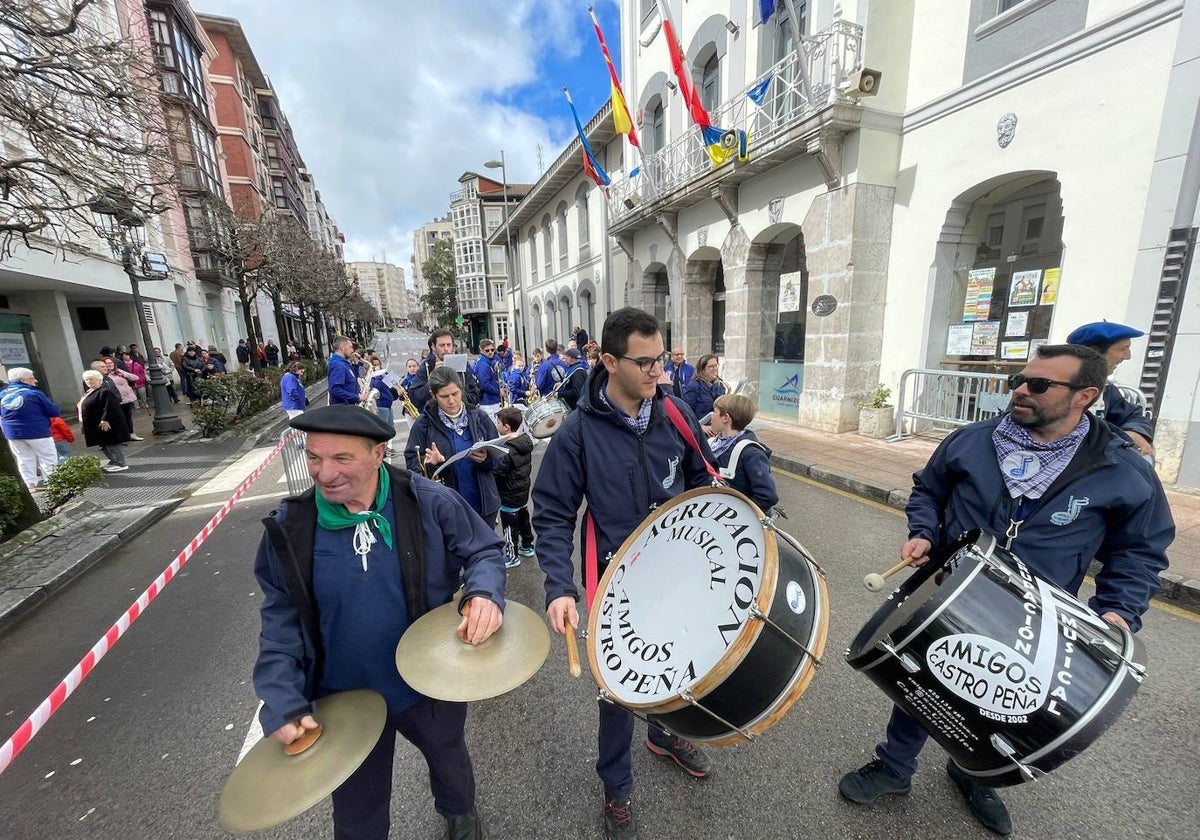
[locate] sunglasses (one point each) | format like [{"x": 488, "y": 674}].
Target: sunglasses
[{"x": 1038, "y": 384}]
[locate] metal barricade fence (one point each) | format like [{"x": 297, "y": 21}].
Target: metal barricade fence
[
  {"x": 932, "y": 400},
  {"x": 295, "y": 468}
]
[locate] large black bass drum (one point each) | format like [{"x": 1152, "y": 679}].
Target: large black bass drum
[{"x": 1010, "y": 674}]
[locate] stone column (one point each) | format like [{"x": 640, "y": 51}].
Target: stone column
[
  {"x": 693, "y": 331},
  {"x": 847, "y": 235},
  {"x": 58, "y": 350}
]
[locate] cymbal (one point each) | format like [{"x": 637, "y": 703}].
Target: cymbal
[
  {"x": 268, "y": 787},
  {"x": 433, "y": 661}
]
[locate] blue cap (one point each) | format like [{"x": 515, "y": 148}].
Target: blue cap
[
  {"x": 1102, "y": 333},
  {"x": 572, "y": 353}
]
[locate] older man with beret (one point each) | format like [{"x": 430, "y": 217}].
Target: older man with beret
[
  {"x": 1112, "y": 342},
  {"x": 345, "y": 568}
]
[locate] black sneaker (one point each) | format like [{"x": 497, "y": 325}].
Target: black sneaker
[
  {"x": 465, "y": 827},
  {"x": 871, "y": 781},
  {"x": 984, "y": 802},
  {"x": 684, "y": 753},
  {"x": 618, "y": 820}
]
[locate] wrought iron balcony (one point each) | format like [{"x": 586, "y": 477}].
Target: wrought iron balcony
[{"x": 791, "y": 100}]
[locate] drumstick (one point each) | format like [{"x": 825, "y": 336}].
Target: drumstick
[
  {"x": 874, "y": 581},
  {"x": 572, "y": 649}
]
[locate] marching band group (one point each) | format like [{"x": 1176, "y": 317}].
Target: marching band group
[{"x": 348, "y": 566}]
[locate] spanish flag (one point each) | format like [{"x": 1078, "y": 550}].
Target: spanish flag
[{"x": 621, "y": 119}]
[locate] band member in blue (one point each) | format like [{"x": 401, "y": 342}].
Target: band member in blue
[
  {"x": 1112, "y": 342},
  {"x": 1058, "y": 487},
  {"x": 620, "y": 452},
  {"x": 345, "y": 568}
]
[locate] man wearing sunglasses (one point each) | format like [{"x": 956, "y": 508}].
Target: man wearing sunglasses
[
  {"x": 1059, "y": 488},
  {"x": 620, "y": 452}
]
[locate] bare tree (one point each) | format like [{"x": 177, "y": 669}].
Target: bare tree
[{"x": 82, "y": 105}]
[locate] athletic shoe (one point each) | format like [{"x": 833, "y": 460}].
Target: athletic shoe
[
  {"x": 871, "y": 781},
  {"x": 984, "y": 802},
  {"x": 684, "y": 753},
  {"x": 512, "y": 562},
  {"x": 618, "y": 820},
  {"x": 525, "y": 551},
  {"x": 136, "y": 437},
  {"x": 115, "y": 468}
]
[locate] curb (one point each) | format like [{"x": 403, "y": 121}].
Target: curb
[
  {"x": 13, "y": 614},
  {"x": 1175, "y": 589}
]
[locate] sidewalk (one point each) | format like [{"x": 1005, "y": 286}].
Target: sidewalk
[{"x": 883, "y": 471}]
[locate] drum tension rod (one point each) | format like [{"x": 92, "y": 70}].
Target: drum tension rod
[
  {"x": 605, "y": 697},
  {"x": 769, "y": 523},
  {"x": 755, "y": 612},
  {"x": 687, "y": 695},
  {"x": 907, "y": 662},
  {"x": 1028, "y": 773}
]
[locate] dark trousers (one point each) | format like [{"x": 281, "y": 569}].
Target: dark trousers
[
  {"x": 517, "y": 524},
  {"x": 362, "y": 805},
  {"x": 615, "y": 762},
  {"x": 127, "y": 410},
  {"x": 905, "y": 738}
]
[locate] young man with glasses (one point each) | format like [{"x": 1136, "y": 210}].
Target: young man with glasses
[
  {"x": 1058, "y": 487},
  {"x": 621, "y": 454}
]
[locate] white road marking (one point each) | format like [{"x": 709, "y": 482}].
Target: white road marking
[
  {"x": 253, "y": 736},
  {"x": 232, "y": 476},
  {"x": 216, "y": 504}
]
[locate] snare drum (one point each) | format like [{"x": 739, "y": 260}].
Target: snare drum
[
  {"x": 709, "y": 619},
  {"x": 1009, "y": 673},
  {"x": 545, "y": 416}
]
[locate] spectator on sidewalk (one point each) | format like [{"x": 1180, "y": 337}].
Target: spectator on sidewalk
[
  {"x": 219, "y": 356},
  {"x": 678, "y": 372},
  {"x": 139, "y": 382},
  {"x": 1065, "y": 489},
  {"x": 167, "y": 374},
  {"x": 211, "y": 365},
  {"x": 25, "y": 414},
  {"x": 742, "y": 460},
  {"x": 291, "y": 390},
  {"x": 272, "y": 352},
  {"x": 703, "y": 389},
  {"x": 123, "y": 380},
  {"x": 190, "y": 369},
  {"x": 103, "y": 421},
  {"x": 63, "y": 437},
  {"x": 243, "y": 354}
]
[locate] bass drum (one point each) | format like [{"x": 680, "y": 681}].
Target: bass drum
[
  {"x": 1010, "y": 674},
  {"x": 707, "y": 620},
  {"x": 544, "y": 416}
]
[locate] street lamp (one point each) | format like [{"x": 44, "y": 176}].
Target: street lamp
[
  {"x": 508, "y": 274},
  {"x": 125, "y": 230}
]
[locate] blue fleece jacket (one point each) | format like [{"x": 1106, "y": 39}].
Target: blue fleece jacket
[
  {"x": 489, "y": 385},
  {"x": 25, "y": 412},
  {"x": 597, "y": 456},
  {"x": 1123, "y": 414},
  {"x": 1108, "y": 505},
  {"x": 518, "y": 384},
  {"x": 292, "y": 393},
  {"x": 547, "y": 377},
  {"x": 456, "y": 543},
  {"x": 701, "y": 395},
  {"x": 343, "y": 383},
  {"x": 753, "y": 475}
]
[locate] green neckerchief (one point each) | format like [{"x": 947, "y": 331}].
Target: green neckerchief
[{"x": 335, "y": 517}]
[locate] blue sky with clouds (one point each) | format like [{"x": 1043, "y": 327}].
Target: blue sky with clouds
[{"x": 391, "y": 102}]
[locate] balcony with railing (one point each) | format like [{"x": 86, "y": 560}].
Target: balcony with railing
[{"x": 795, "y": 110}]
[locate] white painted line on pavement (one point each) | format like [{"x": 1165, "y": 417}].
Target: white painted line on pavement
[
  {"x": 241, "y": 501},
  {"x": 232, "y": 476},
  {"x": 253, "y": 736}
]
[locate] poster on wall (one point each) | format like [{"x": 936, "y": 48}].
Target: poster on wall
[
  {"x": 978, "y": 304},
  {"x": 985, "y": 338},
  {"x": 1018, "y": 324},
  {"x": 1035, "y": 343},
  {"x": 789, "y": 296},
  {"x": 1014, "y": 351},
  {"x": 779, "y": 387},
  {"x": 1050, "y": 286},
  {"x": 1024, "y": 288},
  {"x": 958, "y": 341},
  {"x": 13, "y": 350}
]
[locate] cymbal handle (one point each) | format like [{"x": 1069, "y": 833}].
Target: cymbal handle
[
  {"x": 307, "y": 738},
  {"x": 572, "y": 649}
]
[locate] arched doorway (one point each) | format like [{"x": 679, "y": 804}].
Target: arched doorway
[
  {"x": 564, "y": 315},
  {"x": 538, "y": 334},
  {"x": 997, "y": 270},
  {"x": 551, "y": 320},
  {"x": 656, "y": 292},
  {"x": 702, "y": 276},
  {"x": 587, "y": 308}
]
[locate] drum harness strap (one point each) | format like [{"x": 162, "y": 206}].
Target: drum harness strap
[{"x": 728, "y": 472}]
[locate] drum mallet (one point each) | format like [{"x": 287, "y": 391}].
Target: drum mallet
[
  {"x": 572, "y": 649},
  {"x": 875, "y": 582}
]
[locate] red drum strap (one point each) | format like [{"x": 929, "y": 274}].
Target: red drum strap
[
  {"x": 591, "y": 563},
  {"x": 685, "y": 432}
]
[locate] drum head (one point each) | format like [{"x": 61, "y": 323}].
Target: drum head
[
  {"x": 545, "y": 416},
  {"x": 672, "y": 611}
]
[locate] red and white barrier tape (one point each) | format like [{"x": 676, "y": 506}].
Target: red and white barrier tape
[{"x": 33, "y": 724}]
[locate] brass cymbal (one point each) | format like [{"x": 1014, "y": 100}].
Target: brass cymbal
[
  {"x": 433, "y": 661},
  {"x": 268, "y": 787}
]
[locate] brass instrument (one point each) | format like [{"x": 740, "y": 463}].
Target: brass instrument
[
  {"x": 504, "y": 401},
  {"x": 406, "y": 405}
]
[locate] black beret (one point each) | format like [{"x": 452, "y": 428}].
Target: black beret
[{"x": 344, "y": 420}]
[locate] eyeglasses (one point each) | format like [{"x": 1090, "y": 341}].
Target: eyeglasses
[
  {"x": 1038, "y": 384},
  {"x": 647, "y": 363},
  {"x": 488, "y": 350}
]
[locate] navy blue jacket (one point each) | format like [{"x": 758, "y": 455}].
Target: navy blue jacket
[
  {"x": 546, "y": 377},
  {"x": 701, "y": 395},
  {"x": 25, "y": 412},
  {"x": 596, "y": 456},
  {"x": 447, "y": 539},
  {"x": 574, "y": 383},
  {"x": 429, "y": 428},
  {"x": 686, "y": 372},
  {"x": 753, "y": 477},
  {"x": 292, "y": 393},
  {"x": 419, "y": 392},
  {"x": 489, "y": 384},
  {"x": 343, "y": 382},
  {"x": 1108, "y": 503},
  {"x": 1123, "y": 414},
  {"x": 386, "y": 395}
]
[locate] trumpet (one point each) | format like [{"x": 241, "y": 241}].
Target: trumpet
[{"x": 406, "y": 404}]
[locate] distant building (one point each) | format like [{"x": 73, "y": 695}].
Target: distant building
[
  {"x": 424, "y": 239},
  {"x": 382, "y": 284}
]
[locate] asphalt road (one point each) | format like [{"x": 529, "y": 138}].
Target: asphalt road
[{"x": 145, "y": 744}]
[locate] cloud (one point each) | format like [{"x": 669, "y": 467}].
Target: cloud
[{"x": 391, "y": 101}]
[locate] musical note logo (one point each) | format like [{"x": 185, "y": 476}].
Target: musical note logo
[
  {"x": 1074, "y": 506},
  {"x": 1020, "y": 471}
]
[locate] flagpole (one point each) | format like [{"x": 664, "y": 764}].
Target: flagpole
[
  {"x": 617, "y": 82},
  {"x": 795, "y": 22}
]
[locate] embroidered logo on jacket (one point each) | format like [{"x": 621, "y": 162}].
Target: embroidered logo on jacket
[
  {"x": 1074, "y": 506},
  {"x": 670, "y": 479}
]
